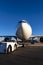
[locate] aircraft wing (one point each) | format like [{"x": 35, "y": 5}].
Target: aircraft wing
[
  {"x": 8, "y": 36},
  {"x": 37, "y": 36}
]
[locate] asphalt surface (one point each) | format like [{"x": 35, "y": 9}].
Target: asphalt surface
[{"x": 28, "y": 55}]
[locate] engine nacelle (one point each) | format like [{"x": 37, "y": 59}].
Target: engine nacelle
[{"x": 41, "y": 39}]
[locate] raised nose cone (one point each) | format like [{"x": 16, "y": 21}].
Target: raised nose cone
[{"x": 24, "y": 31}]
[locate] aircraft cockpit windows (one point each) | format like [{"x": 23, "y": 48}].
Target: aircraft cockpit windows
[{"x": 24, "y": 21}]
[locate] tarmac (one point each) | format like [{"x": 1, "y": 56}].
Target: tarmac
[{"x": 29, "y": 55}]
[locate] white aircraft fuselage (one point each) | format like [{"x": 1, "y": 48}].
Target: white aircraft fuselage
[{"x": 24, "y": 30}]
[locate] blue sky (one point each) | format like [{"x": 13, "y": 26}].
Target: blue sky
[{"x": 12, "y": 11}]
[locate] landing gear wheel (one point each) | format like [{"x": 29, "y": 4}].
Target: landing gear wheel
[
  {"x": 9, "y": 49},
  {"x": 22, "y": 45},
  {"x": 32, "y": 42},
  {"x": 15, "y": 47}
]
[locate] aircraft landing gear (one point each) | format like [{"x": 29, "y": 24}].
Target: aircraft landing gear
[{"x": 22, "y": 45}]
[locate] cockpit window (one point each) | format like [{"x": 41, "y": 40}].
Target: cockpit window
[{"x": 24, "y": 21}]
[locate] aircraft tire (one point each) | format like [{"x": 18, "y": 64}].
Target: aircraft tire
[
  {"x": 22, "y": 45},
  {"x": 32, "y": 42}
]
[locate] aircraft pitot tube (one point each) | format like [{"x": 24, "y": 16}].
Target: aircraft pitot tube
[{"x": 24, "y": 30}]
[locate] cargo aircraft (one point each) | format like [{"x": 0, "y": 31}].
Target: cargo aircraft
[{"x": 23, "y": 32}]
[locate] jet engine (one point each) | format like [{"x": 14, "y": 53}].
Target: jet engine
[{"x": 41, "y": 39}]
